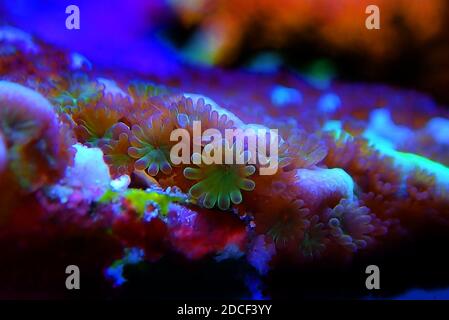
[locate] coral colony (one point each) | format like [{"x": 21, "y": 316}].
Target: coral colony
[{"x": 89, "y": 166}]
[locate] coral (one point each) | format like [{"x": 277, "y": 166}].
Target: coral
[
  {"x": 420, "y": 185},
  {"x": 146, "y": 107},
  {"x": 77, "y": 90},
  {"x": 342, "y": 148},
  {"x": 186, "y": 110},
  {"x": 116, "y": 151},
  {"x": 150, "y": 145},
  {"x": 350, "y": 225},
  {"x": 303, "y": 151},
  {"x": 291, "y": 221},
  {"x": 38, "y": 144},
  {"x": 221, "y": 37},
  {"x": 141, "y": 91},
  {"x": 94, "y": 123},
  {"x": 320, "y": 187},
  {"x": 190, "y": 226},
  {"x": 315, "y": 239},
  {"x": 117, "y": 100},
  {"x": 354, "y": 170},
  {"x": 219, "y": 184},
  {"x": 3, "y": 155}
]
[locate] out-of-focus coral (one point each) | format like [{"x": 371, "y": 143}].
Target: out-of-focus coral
[
  {"x": 319, "y": 186},
  {"x": 36, "y": 146},
  {"x": 303, "y": 150},
  {"x": 410, "y": 44},
  {"x": 150, "y": 145},
  {"x": 188, "y": 229},
  {"x": 222, "y": 32},
  {"x": 316, "y": 239},
  {"x": 3, "y": 155},
  {"x": 75, "y": 91},
  {"x": 350, "y": 225},
  {"x": 116, "y": 151},
  {"x": 289, "y": 222}
]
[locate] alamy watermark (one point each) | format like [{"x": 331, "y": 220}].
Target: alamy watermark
[
  {"x": 372, "y": 22},
  {"x": 72, "y": 281},
  {"x": 373, "y": 280},
  {"x": 237, "y": 146},
  {"x": 72, "y": 22}
]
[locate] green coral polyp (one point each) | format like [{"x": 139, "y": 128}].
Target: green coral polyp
[
  {"x": 149, "y": 146},
  {"x": 151, "y": 158},
  {"x": 220, "y": 184}
]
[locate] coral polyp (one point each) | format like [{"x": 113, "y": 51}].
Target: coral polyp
[
  {"x": 219, "y": 183},
  {"x": 142, "y": 91},
  {"x": 315, "y": 239},
  {"x": 187, "y": 110},
  {"x": 77, "y": 90},
  {"x": 350, "y": 225},
  {"x": 116, "y": 151},
  {"x": 291, "y": 222},
  {"x": 94, "y": 123},
  {"x": 150, "y": 145},
  {"x": 303, "y": 150}
]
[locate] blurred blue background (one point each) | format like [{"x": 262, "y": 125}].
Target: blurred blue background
[{"x": 112, "y": 34}]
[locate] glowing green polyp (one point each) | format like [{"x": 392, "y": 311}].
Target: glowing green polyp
[
  {"x": 152, "y": 159},
  {"x": 149, "y": 149},
  {"x": 197, "y": 190},
  {"x": 220, "y": 184}
]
